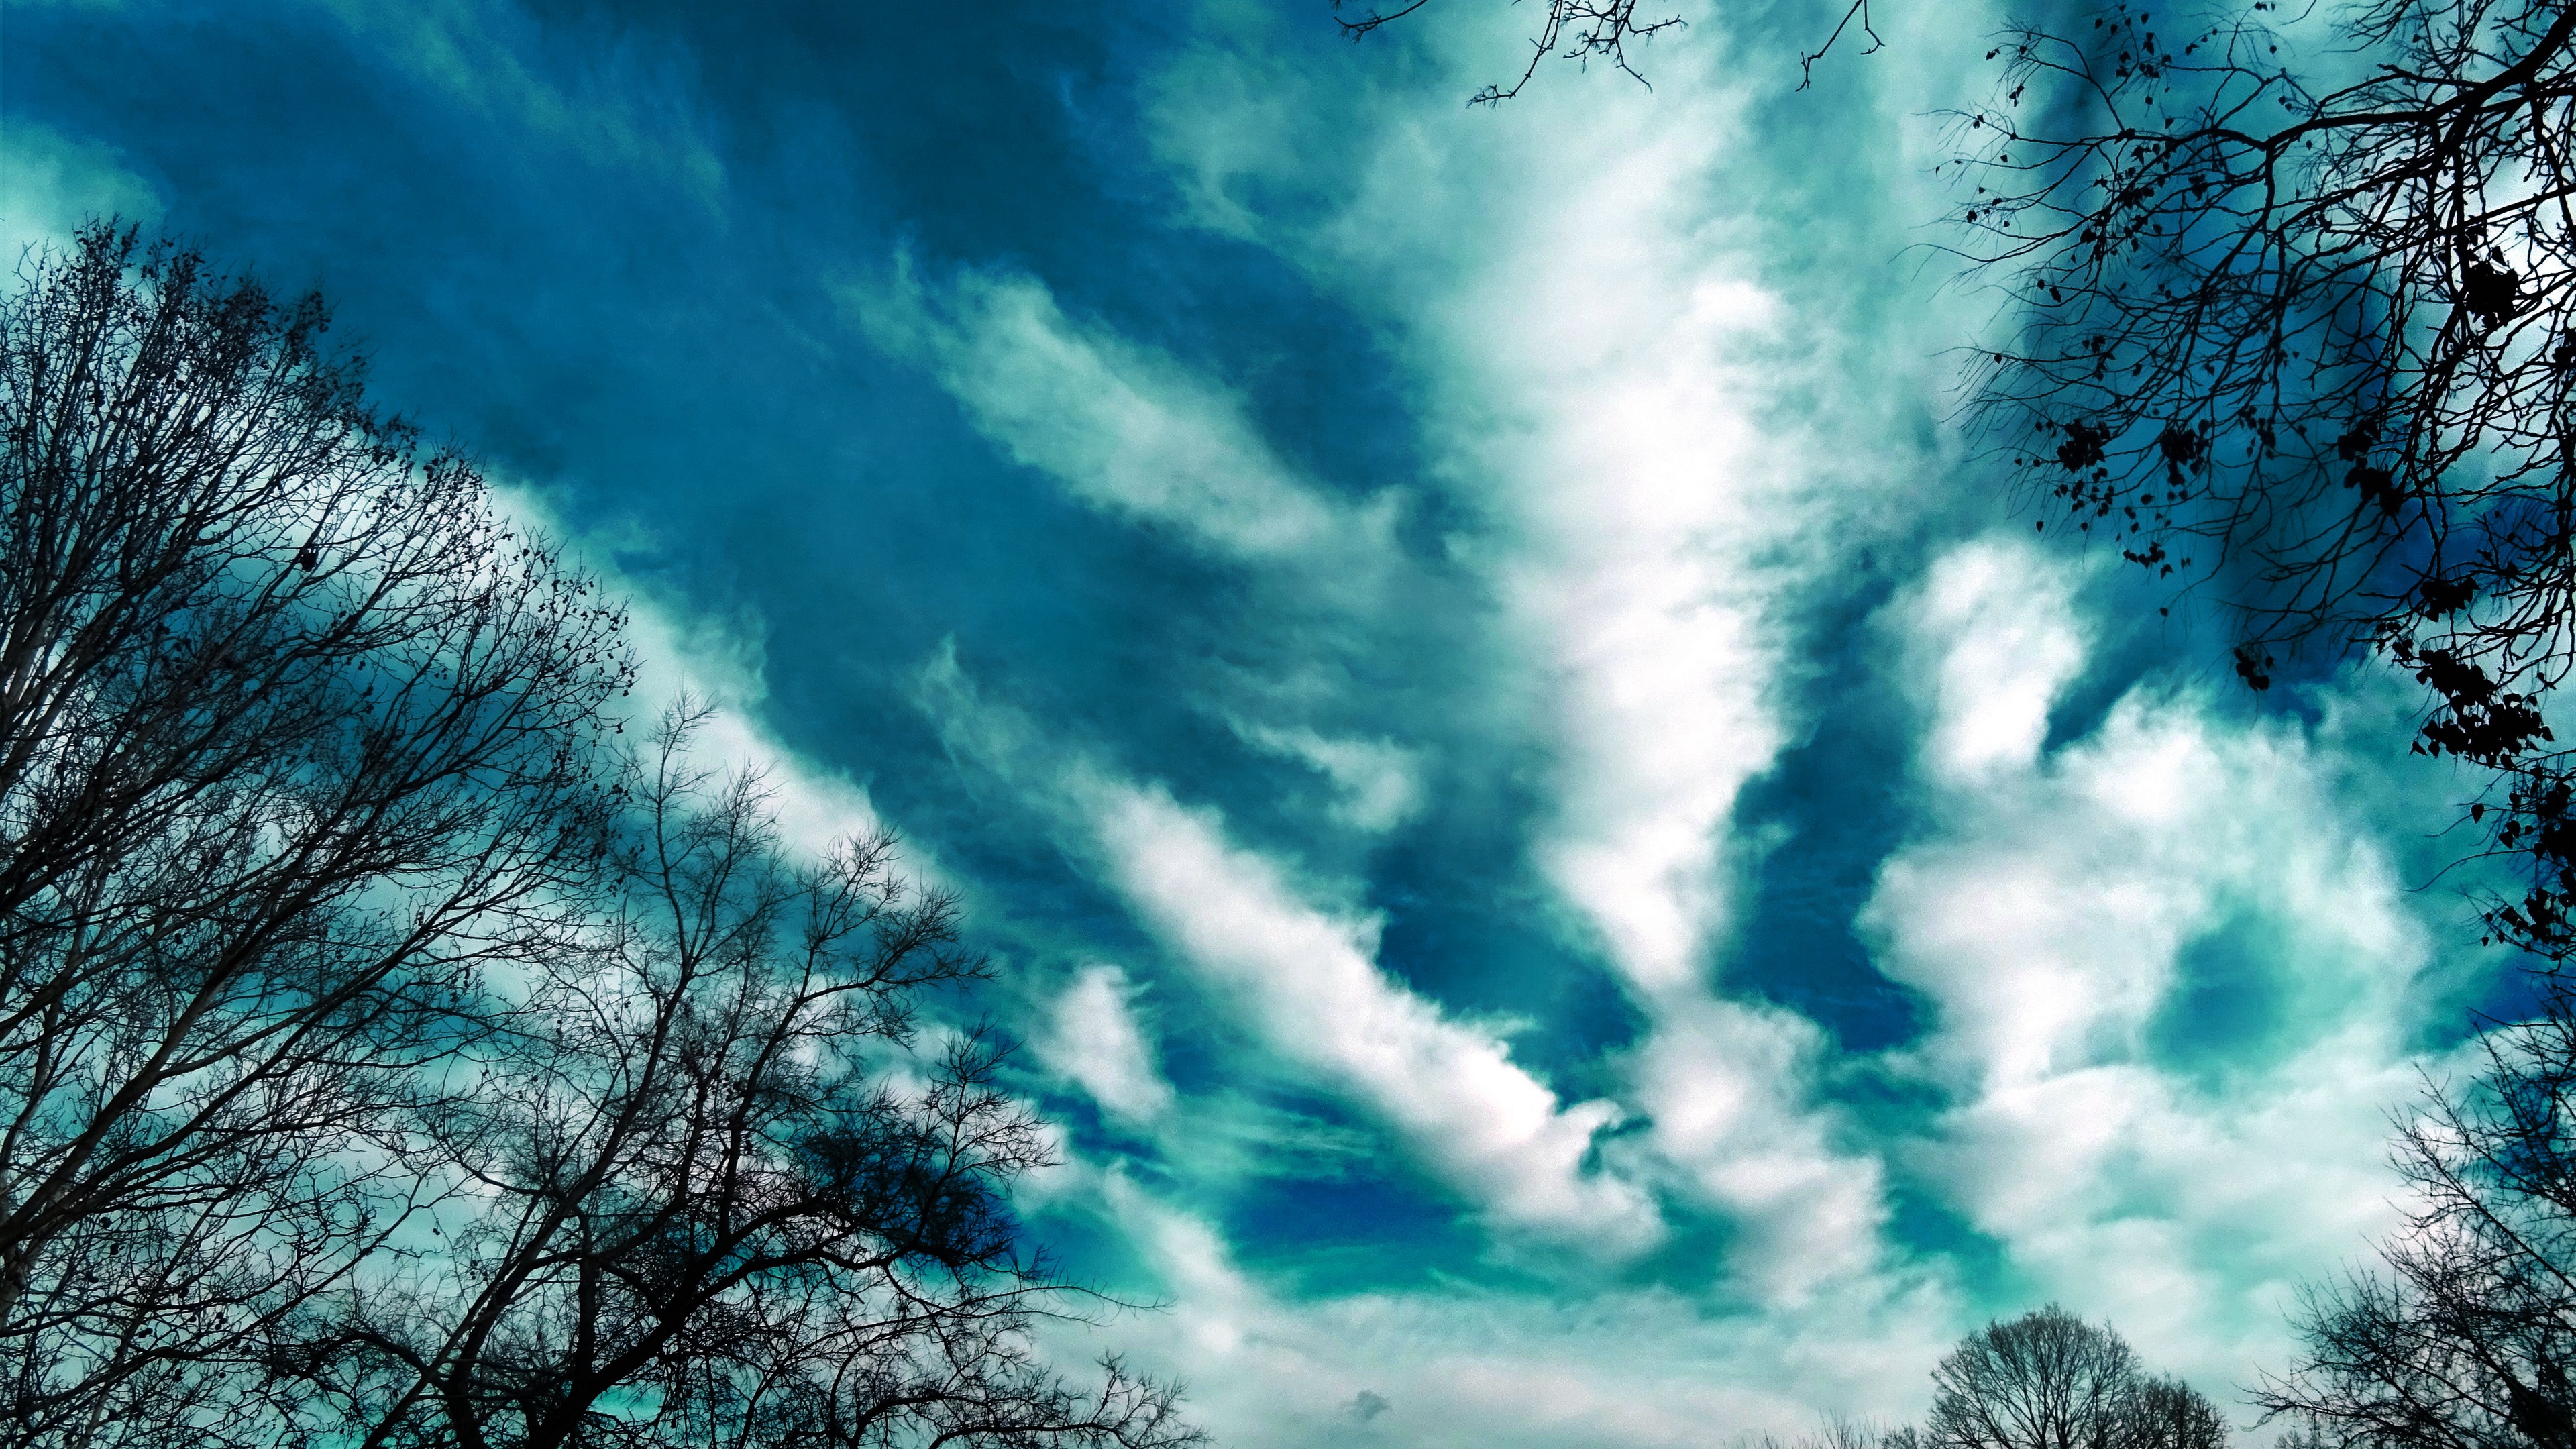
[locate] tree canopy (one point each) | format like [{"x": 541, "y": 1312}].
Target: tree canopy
[{"x": 394, "y": 1050}]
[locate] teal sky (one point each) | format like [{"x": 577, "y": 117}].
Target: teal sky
[{"x": 1572, "y": 872}]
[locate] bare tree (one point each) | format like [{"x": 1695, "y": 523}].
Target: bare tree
[
  {"x": 387, "y": 1056},
  {"x": 707, "y": 1193},
  {"x": 294, "y": 741},
  {"x": 2049, "y": 1380},
  {"x": 2291, "y": 315},
  {"x": 2468, "y": 1338},
  {"x": 2171, "y": 1414}
]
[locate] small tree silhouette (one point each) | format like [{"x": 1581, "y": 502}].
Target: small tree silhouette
[{"x": 2049, "y": 1380}]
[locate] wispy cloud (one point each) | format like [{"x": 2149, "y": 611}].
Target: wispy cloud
[
  {"x": 1303, "y": 979},
  {"x": 1459, "y": 1366},
  {"x": 1123, "y": 427},
  {"x": 625, "y": 105},
  {"x": 1096, "y": 1042},
  {"x": 1309, "y": 979},
  {"x": 1603, "y": 377},
  {"x": 1377, "y": 783}
]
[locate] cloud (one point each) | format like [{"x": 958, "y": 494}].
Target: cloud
[
  {"x": 1305, "y": 980},
  {"x": 1458, "y": 1365},
  {"x": 1309, "y": 978},
  {"x": 1729, "y": 1088},
  {"x": 1123, "y": 427},
  {"x": 1378, "y": 782},
  {"x": 2172, "y": 979},
  {"x": 1640, "y": 498},
  {"x": 1999, "y": 617},
  {"x": 51, "y": 183},
  {"x": 619, "y": 104},
  {"x": 1097, "y": 1044},
  {"x": 1605, "y": 379}
]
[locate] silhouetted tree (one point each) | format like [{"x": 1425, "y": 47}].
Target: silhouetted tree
[
  {"x": 2293, "y": 313},
  {"x": 2049, "y": 1380},
  {"x": 2171, "y": 1414},
  {"x": 294, "y": 747},
  {"x": 386, "y": 1057},
  {"x": 698, "y": 1196},
  {"x": 2467, "y": 1340}
]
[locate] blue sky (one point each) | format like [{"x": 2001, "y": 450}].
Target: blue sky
[{"x": 1570, "y": 870}]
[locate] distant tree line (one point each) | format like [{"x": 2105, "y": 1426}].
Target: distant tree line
[{"x": 396, "y": 1050}]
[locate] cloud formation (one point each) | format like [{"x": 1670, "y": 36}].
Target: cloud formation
[
  {"x": 1123, "y": 427},
  {"x": 1098, "y": 1044},
  {"x": 52, "y": 184},
  {"x": 1458, "y": 1367},
  {"x": 1303, "y": 980},
  {"x": 1563, "y": 887},
  {"x": 2172, "y": 980},
  {"x": 1603, "y": 385},
  {"x": 1309, "y": 979}
]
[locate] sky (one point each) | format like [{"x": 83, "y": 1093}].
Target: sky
[{"x": 1569, "y": 867}]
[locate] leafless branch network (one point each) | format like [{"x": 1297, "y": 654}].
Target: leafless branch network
[{"x": 2302, "y": 327}]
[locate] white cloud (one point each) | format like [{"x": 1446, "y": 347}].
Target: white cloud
[
  {"x": 1729, "y": 1087},
  {"x": 2081, "y": 921},
  {"x": 1459, "y": 1366},
  {"x": 1640, "y": 494},
  {"x": 1310, "y": 980},
  {"x": 1601, "y": 369},
  {"x": 51, "y": 183},
  {"x": 1304, "y": 979},
  {"x": 1096, "y": 1043},
  {"x": 1378, "y": 782},
  {"x": 1604, "y": 379},
  {"x": 2000, "y": 616},
  {"x": 1123, "y": 427}
]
